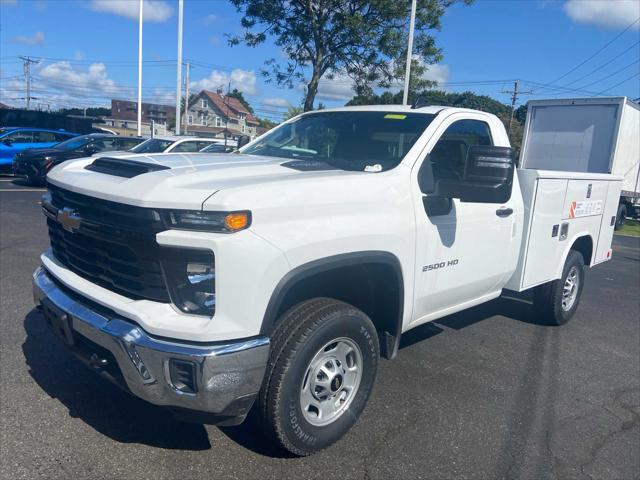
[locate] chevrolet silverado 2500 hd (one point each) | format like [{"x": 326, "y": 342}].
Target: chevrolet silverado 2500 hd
[{"x": 276, "y": 277}]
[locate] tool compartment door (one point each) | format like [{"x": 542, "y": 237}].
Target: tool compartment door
[
  {"x": 608, "y": 222},
  {"x": 585, "y": 198},
  {"x": 544, "y": 250}
]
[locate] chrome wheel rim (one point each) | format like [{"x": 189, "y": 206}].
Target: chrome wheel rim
[
  {"x": 570, "y": 289},
  {"x": 331, "y": 381}
]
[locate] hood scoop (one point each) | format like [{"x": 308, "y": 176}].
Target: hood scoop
[{"x": 120, "y": 167}]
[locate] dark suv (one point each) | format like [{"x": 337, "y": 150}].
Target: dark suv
[{"x": 34, "y": 163}]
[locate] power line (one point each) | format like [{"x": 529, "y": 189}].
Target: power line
[
  {"x": 597, "y": 51},
  {"x": 611, "y": 75},
  {"x": 620, "y": 83},
  {"x": 600, "y": 67}
]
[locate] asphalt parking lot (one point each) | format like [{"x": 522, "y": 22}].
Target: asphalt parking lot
[{"x": 487, "y": 393}]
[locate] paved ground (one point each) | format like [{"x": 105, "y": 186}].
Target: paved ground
[{"x": 483, "y": 394}]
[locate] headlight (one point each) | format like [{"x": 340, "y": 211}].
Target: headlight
[
  {"x": 226, "y": 222},
  {"x": 191, "y": 277}
]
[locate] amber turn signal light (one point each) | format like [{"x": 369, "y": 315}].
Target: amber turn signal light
[{"x": 236, "y": 221}]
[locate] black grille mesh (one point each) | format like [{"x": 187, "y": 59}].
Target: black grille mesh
[{"x": 114, "y": 247}]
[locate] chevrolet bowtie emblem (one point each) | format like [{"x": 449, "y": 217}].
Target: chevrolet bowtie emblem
[{"x": 69, "y": 219}]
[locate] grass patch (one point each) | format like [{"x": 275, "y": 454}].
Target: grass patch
[{"x": 631, "y": 228}]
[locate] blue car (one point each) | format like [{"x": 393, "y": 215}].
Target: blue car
[{"x": 16, "y": 139}]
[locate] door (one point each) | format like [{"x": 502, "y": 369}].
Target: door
[
  {"x": 464, "y": 251},
  {"x": 127, "y": 143},
  {"x": 188, "y": 146},
  {"x": 44, "y": 139},
  {"x": 16, "y": 142}
]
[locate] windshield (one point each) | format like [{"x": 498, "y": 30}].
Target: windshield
[
  {"x": 73, "y": 143},
  {"x": 350, "y": 140},
  {"x": 152, "y": 145}
]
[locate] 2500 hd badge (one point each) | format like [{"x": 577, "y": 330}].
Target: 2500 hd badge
[{"x": 437, "y": 266}]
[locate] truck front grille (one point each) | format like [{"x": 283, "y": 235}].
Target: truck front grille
[{"x": 114, "y": 245}]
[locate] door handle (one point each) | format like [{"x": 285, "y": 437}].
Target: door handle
[{"x": 504, "y": 212}]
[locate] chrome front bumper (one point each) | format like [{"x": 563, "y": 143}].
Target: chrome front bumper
[{"x": 227, "y": 376}]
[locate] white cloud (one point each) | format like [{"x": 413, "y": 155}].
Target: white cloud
[
  {"x": 243, "y": 80},
  {"x": 60, "y": 85},
  {"x": 153, "y": 10},
  {"x": 276, "y": 102},
  {"x": 340, "y": 87},
  {"x": 162, "y": 96},
  {"x": 36, "y": 39},
  {"x": 604, "y": 13},
  {"x": 92, "y": 82},
  {"x": 209, "y": 19},
  {"x": 437, "y": 73}
]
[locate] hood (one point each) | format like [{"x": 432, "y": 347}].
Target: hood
[
  {"x": 179, "y": 180},
  {"x": 56, "y": 154}
]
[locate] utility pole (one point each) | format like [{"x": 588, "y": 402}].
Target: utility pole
[
  {"x": 186, "y": 96},
  {"x": 179, "y": 71},
  {"x": 514, "y": 98},
  {"x": 226, "y": 128},
  {"x": 140, "y": 68},
  {"x": 26, "y": 65},
  {"x": 407, "y": 72}
]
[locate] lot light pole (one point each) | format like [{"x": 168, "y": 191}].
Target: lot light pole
[
  {"x": 407, "y": 72},
  {"x": 140, "y": 68},
  {"x": 179, "y": 70}
]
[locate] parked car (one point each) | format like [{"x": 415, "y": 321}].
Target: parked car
[
  {"x": 35, "y": 163},
  {"x": 168, "y": 144},
  {"x": 278, "y": 275},
  {"x": 219, "y": 147},
  {"x": 14, "y": 140}
]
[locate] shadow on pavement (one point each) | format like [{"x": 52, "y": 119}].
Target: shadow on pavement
[
  {"x": 101, "y": 405},
  {"x": 516, "y": 306}
]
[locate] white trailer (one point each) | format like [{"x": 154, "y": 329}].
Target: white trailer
[{"x": 590, "y": 135}]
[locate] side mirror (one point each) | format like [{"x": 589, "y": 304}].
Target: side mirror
[
  {"x": 90, "y": 149},
  {"x": 488, "y": 177},
  {"x": 8, "y": 142},
  {"x": 242, "y": 141}
]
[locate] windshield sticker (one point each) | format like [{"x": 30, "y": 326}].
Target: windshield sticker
[
  {"x": 395, "y": 116},
  {"x": 373, "y": 168}
]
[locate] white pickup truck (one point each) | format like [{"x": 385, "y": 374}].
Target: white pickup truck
[{"x": 276, "y": 277}]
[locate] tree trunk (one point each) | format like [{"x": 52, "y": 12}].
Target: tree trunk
[{"x": 312, "y": 90}]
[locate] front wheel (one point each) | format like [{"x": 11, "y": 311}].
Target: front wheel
[
  {"x": 36, "y": 179},
  {"x": 321, "y": 370},
  {"x": 557, "y": 301}
]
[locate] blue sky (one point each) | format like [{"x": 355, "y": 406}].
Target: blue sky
[{"x": 88, "y": 51}]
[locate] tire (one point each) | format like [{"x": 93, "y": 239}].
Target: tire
[
  {"x": 621, "y": 217},
  {"x": 555, "y": 304},
  {"x": 296, "y": 394},
  {"x": 36, "y": 180}
]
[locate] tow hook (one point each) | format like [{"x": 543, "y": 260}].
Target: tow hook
[{"x": 98, "y": 362}]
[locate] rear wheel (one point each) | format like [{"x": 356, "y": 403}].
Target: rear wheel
[
  {"x": 621, "y": 218},
  {"x": 321, "y": 371},
  {"x": 557, "y": 301}
]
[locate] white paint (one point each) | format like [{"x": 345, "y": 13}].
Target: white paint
[{"x": 299, "y": 217}]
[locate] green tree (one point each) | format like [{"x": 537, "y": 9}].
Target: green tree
[
  {"x": 91, "y": 111},
  {"x": 292, "y": 112},
  {"x": 453, "y": 99},
  {"x": 266, "y": 123},
  {"x": 235, "y": 93},
  {"x": 362, "y": 39}
]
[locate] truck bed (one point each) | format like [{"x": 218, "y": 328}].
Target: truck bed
[{"x": 561, "y": 207}]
